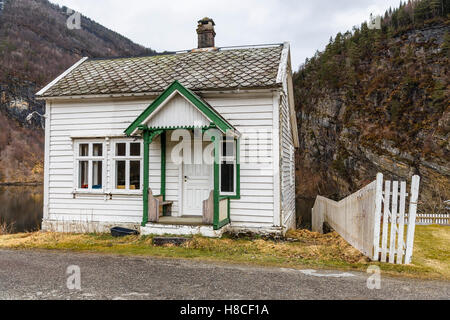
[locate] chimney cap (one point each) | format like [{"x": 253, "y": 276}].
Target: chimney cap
[
  {"x": 206, "y": 33},
  {"x": 206, "y": 20}
]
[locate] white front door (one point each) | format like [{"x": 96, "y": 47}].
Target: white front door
[{"x": 197, "y": 185}]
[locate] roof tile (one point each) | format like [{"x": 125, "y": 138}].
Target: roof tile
[{"x": 231, "y": 68}]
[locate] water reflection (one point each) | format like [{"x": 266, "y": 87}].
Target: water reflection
[{"x": 21, "y": 208}]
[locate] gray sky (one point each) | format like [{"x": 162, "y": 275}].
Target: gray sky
[{"x": 170, "y": 25}]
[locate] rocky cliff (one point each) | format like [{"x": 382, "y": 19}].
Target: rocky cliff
[{"x": 375, "y": 101}]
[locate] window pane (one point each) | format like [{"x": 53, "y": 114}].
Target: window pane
[
  {"x": 97, "y": 150},
  {"x": 120, "y": 175},
  {"x": 135, "y": 175},
  {"x": 227, "y": 177},
  {"x": 135, "y": 149},
  {"x": 121, "y": 149},
  {"x": 84, "y": 150},
  {"x": 228, "y": 149},
  {"x": 97, "y": 173},
  {"x": 84, "y": 175}
]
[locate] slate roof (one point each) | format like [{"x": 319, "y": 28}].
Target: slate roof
[{"x": 202, "y": 70}]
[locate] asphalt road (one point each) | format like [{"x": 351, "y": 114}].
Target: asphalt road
[{"x": 34, "y": 275}]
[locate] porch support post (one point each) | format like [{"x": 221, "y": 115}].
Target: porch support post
[
  {"x": 238, "y": 169},
  {"x": 147, "y": 142},
  {"x": 163, "y": 165},
  {"x": 216, "y": 141}
]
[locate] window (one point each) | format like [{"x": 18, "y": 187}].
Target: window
[
  {"x": 84, "y": 175},
  {"x": 228, "y": 168},
  {"x": 90, "y": 159},
  {"x": 127, "y": 165}
]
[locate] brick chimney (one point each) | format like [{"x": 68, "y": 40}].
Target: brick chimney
[{"x": 206, "y": 33}]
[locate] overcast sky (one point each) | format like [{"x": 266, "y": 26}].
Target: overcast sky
[{"x": 170, "y": 25}]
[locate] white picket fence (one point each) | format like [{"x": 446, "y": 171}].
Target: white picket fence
[
  {"x": 433, "y": 218},
  {"x": 390, "y": 223},
  {"x": 374, "y": 220},
  {"x": 353, "y": 217}
]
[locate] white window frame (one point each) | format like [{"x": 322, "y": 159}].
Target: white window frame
[
  {"x": 228, "y": 159},
  {"x": 127, "y": 158},
  {"x": 90, "y": 158}
]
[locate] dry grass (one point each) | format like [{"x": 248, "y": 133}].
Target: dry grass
[
  {"x": 309, "y": 246},
  {"x": 432, "y": 248},
  {"x": 5, "y": 228},
  {"x": 310, "y": 250}
]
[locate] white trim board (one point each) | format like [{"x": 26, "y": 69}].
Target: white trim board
[
  {"x": 276, "y": 161},
  {"x": 166, "y": 102},
  {"x": 62, "y": 75},
  {"x": 283, "y": 63},
  {"x": 153, "y": 95},
  {"x": 48, "y": 110}
]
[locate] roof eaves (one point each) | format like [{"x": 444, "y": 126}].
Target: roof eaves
[
  {"x": 282, "y": 69},
  {"x": 157, "y": 93},
  {"x": 61, "y": 76}
]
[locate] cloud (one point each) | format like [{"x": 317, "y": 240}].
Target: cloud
[{"x": 170, "y": 25}]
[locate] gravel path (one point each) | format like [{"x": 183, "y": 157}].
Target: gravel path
[{"x": 35, "y": 275}]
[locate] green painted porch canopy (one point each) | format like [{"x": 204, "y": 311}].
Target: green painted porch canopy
[
  {"x": 205, "y": 108},
  {"x": 210, "y": 119}
]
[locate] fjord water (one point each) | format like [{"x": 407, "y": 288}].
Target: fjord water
[{"x": 21, "y": 208}]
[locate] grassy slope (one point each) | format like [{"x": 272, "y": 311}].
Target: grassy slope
[{"x": 312, "y": 250}]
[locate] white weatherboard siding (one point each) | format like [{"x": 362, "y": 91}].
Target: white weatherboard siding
[
  {"x": 251, "y": 115},
  {"x": 253, "y": 118},
  {"x": 177, "y": 112},
  {"x": 93, "y": 119}
]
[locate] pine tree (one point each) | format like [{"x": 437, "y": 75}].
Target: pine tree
[
  {"x": 378, "y": 40},
  {"x": 445, "y": 8},
  {"x": 337, "y": 48},
  {"x": 422, "y": 11},
  {"x": 403, "y": 18},
  {"x": 436, "y": 7}
]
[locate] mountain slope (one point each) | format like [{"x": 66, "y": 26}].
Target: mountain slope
[
  {"x": 36, "y": 43},
  {"x": 36, "y": 46},
  {"x": 377, "y": 101}
]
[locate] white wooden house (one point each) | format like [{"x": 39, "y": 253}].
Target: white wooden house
[{"x": 194, "y": 142}]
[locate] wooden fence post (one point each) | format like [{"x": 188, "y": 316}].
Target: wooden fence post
[
  {"x": 387, "y": 197},
  {"x": 393, "y": 222},
  {"x": 377, "y": 217},
  {"x": 412, "y": 218},
  {"x": 401, "y": 223}
]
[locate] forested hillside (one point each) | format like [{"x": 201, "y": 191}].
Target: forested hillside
[
  {"x": 377, "y": 101},
  {"x": 36, "y": 46}
]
